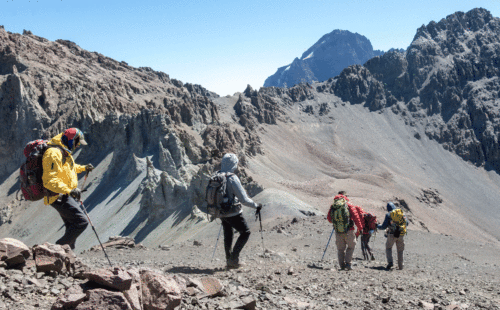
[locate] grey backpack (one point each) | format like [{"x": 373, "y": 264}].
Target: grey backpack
[{"x": 216, "y": 195}]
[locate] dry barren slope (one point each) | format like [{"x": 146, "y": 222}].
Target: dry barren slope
[{"x": 376, "y": 158}]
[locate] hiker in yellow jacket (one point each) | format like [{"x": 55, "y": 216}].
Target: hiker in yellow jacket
[{"x": 60, "y": 175}]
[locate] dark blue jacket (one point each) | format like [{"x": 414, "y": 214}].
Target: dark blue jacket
[{"x": 387, "y": 220}]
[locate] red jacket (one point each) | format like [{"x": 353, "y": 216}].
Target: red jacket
[{"x": 356, "y": 213}]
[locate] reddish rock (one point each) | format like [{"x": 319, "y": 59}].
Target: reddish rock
[
  {"x": 100, "y": 299},
  {"x": 53, "y": 257},
  {"x": 13, "y": 251},
  {"x": 116, "y": 278},
  {"x": 211, "y": 286},
  {"x": 159, "y": 292},
  {"x": 80, "y": 269},
  {"x": 70, "y": 299},
  {"x": 134, "y": 294}
]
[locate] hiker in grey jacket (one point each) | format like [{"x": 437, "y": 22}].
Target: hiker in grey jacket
[{"x": 233, "y": 218}]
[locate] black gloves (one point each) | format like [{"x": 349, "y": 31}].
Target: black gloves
[
  {"x": 89, "y": 167},
  {"x": 76, "y": 193},
  {"x": 259, "y": 207}
]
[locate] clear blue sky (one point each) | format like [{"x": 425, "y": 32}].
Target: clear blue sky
[{"x": 222, "y": 45}]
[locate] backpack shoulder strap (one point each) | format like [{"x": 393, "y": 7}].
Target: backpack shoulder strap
[{"x": 63, "y": 151}]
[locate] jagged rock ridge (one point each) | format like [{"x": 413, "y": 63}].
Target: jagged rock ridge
[
  {"x": 325, "y": 59},
  {"x": 135, "y": 120},
  {"x": 447, "y": 81}
]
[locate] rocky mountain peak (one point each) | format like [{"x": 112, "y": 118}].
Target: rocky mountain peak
[
  {"x": 455, "y": 24},
  {"x": 447, "y": 81},
  {"x": 325, "y": 59}
]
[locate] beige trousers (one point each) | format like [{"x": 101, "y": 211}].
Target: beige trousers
[
  {"x": 343, "y": 241},
  {"x": 400, "y": 246}
]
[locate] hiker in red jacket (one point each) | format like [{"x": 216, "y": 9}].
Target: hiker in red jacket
[{"x": 345, "y": 237}]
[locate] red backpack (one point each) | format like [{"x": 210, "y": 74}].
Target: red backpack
[
  {"x": 370, "y": 222},
  {"x": 32, "y": 170}
]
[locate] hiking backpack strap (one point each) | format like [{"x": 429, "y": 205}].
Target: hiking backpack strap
[{"x": 63, "y": 151}]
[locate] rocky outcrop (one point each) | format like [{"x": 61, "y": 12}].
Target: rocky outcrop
[
  {"x": 53, "y": 257},
  {"x": 447, "y": 81},
  {"x": 325, "y": 59},
  {"x": 13, "y": 252},
  {"x": 48, "y": 86},
  {"x": 130, "y": 114}
]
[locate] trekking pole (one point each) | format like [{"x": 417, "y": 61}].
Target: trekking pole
[
  {"x": 92, "y": 225},
  {"x": 93, "y": 228},
  {"x": 261, "y": 233},
  {"x": 213, "y": 254},
  {"x": 85, "y": 180},
  {"x": 328, "y": 243}
]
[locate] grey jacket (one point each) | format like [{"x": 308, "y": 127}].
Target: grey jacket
[{"x": 234, "y": 189}]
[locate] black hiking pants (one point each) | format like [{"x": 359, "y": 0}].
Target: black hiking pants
[
  {"x": 365, "y": 245},
  {"x": 73, "y": 217},
  {"x": 238, "y": 223}
]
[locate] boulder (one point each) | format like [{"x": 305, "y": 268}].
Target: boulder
[
  {"x": 70, "y": 299},
  {"x": 117, "y": 242},
  {"x": 53, "y": 257},
  {"x": 80, "y": 269},
  {"x": 116, "y": 278},
  {"x": 13, "y": 251},
  {"x": 104, "y": 299},
  {"x": 134, "y": 294},
  {"x": 211, "y": 286},
  {"x": 244, "y": 302},
  {"x": 159, "y": 292}
]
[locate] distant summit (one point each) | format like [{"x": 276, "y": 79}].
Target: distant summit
[{"x": 325, "y": 59}]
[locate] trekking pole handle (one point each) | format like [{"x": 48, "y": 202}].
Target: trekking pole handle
[{"x": 85, "y": 179}]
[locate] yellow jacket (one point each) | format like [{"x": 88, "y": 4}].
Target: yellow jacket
[{"x": 57, "y": 177}]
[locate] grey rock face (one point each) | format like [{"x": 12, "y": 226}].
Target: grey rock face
[
  {"x": 325, "y": 59},
  {"x": 127, "y": 113},
  {"x": 447, "y": 81}
]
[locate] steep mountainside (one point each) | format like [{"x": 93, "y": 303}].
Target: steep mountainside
[
  {"x": 447, "y": 81},
  {"x": 130, "y": 115},
  {"x": 419, "y": 128},
  {"x": 325, "y": 59}
]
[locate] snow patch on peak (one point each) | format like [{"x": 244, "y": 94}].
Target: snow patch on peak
[{"x": 309, "y": 56}]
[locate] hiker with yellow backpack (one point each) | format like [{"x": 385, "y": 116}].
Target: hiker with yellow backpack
[{"x": 395, "y": 222}]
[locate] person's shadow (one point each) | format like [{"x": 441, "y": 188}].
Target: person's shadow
[
  {"x": 190, "y": 270},
  {"x": 378, "y": 268}
]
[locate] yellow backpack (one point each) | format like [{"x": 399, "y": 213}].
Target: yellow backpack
[{"x": 398, "y": 219}]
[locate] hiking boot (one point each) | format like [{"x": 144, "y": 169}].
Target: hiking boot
[
  {"x": 234, "y": 264},
  {"x": 348, "y": 267},
  {"x": 373, "y": 257},
  {"x": 389, "y": 266},
  {"x": 342, "y": 266}
]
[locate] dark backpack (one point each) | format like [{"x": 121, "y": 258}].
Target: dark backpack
[
  {"x": 31, "y": 171},
  {"x": 370, "y": 222},
  {"x": 216, "y": 194}
]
